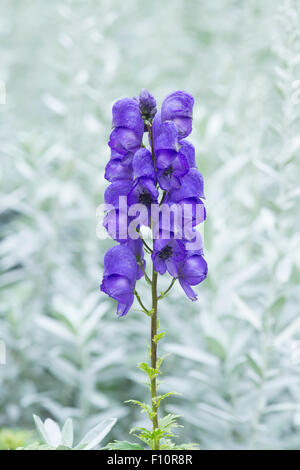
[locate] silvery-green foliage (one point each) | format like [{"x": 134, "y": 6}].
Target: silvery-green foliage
[
  {"x": 234, "y": 355},
  {"x": 55, "y": 438}
]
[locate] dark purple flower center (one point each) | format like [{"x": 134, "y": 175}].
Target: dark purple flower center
[
  {"x": 168, "y": 171},
  {"x": 166, "y": 253},
  {"x": 145, "y": 198}
]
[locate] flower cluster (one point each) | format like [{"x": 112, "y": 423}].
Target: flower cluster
[{"x": 139, "y": 172}]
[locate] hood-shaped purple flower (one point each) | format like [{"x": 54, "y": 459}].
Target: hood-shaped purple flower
[
  {"x": 143, "y": 192},
  {"x": 118, "y": 169},
  {"x": 116, "y": 222},
  {"x": 165, "y": 137},
  {"x": 178, "y": 107},
  {"x": 143, "y": 165},
  {"x": 137, "y": 248},
  {"x": 120, "y": 273},
  {"x": 188, "y": 150},
  {"x": 124, "y": 141},
  {"x": 191, "y": 186},
  {"x": 115, "y": 190},
  {"x": 126, "y": 114},
  {"x": 128, "y": 126},
  {"x": 167, "y": 254},
  {"x": 192, "y": 271},
  {"x": 171, "y": 167}
]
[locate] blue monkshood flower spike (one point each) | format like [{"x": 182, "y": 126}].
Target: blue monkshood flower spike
[{"x": 137, "y": 173}]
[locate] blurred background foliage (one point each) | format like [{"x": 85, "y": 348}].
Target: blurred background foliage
[{"x": 233, "y": 355}]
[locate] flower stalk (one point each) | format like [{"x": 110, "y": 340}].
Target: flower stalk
[
  {"x": 140, "y": 174},
  {"x": 154, "y": 320}
]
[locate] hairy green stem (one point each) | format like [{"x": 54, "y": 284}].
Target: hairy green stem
[
  {"x": 163, "y": 294},
  {"x": 154, "y": 355},
  {"x": 140, "y": 302},
  {"x": 154, "y": 323}
]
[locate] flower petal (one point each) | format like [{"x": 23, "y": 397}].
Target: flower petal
[
  {"x": 123, "y": 308},
  {"x": 194, "y": 270},
  {"x": 188, "y": 150},
  {"x": 120, "y": 260},
  {"x": 126, "y": 113},
  {"x": 117, "y": 169},
  {"x": 115, "y": 190},
  {"x": 123, "y": 140},
  {"x": 178, "y": 107},
  {"x": 191, "y": 186},
  {"x": 142, "y": 164},
  {"x": 188, "y": 290}
]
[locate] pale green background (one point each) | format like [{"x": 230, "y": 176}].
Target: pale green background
[{"x": 234, "y": 354}]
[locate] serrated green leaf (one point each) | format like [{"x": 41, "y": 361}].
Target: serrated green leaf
[{"x": 158, "y": 337}]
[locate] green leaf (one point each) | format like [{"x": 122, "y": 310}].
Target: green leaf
[
  {"x": 144, "y": 407},
  {"x": 152, "y": 373},
  {"x": 67, "y": 434},
  {"x": 216, "y": 347},
  {"x": 158, "y": 337},
  {"x": 123, "y": 445},
  {"x": 159, "y": 398},
  {"x": 95, "y": 436},
  {"x": 277, "y": 305},
  {"x": 40, "y": 427},
  {"x": 255, "y": 366},
  {"x": 37, "y": 446}
]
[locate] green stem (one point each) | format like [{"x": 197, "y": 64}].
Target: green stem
[
  {"x": 149, "y": 127},
  {"x": 154, "y": 355},
  {"x": 168, "y": 290},
  {"x": 144, "y": 243},
  {"x": 140, "y": 302},
  {"x": 140, "y": 263},
  {"x": 153, "y": 383}
]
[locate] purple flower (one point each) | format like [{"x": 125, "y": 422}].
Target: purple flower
[
  {"x": 116, "y": 222},
  {"x": 128, "y": 126},
  {"x": 171, "y": 167},
  {"x": 192, "y": 271},
  {"x": 120, "y": 273},
  {"x": 192, "y": 210},
  {"x": 124, "y": 140},
  {"x": 126, "y": 114},
  {"x": 147, "y": 105},
  {"x": 188, "y": 150},
  {"x": 143, "y": 165},
  {"x": 118, "y": 169},
  {"x": 137, "y": 248},
  {"x": 136, "y": 174},
  {"x": 115, "y": 190},
  {"x": 167, "y": 255},
  {"x": 165, "y": 137},
  {"x": 191, "y": 186},
  {"x": 143, "y": 192},
  {"x": 178, "y": 107}
]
